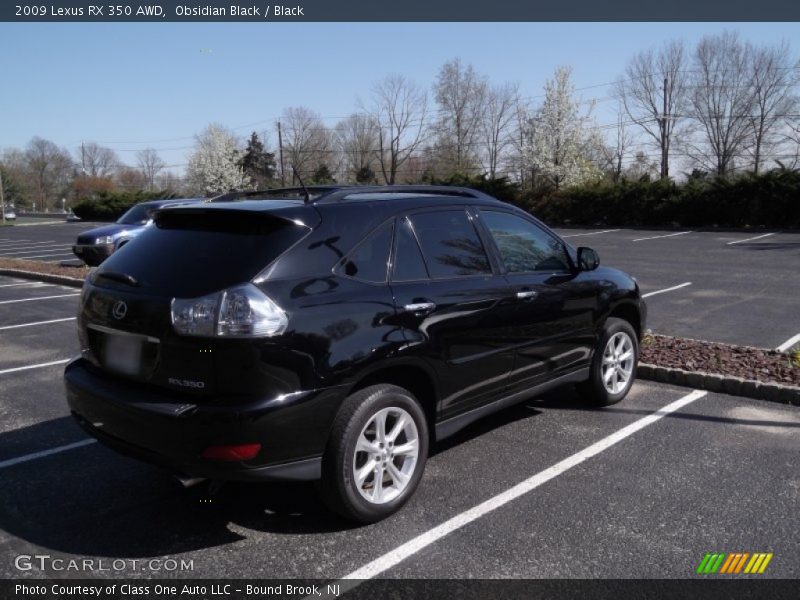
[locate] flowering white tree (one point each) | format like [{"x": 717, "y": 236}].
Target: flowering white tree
[
  {"x": 214, "y": 165},
  {"x": 561, "y": 140}
]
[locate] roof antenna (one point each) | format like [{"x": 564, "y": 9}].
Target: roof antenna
[{"x": 303, "y": 185}]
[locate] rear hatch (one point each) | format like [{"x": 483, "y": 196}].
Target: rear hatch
[{"x": 125, "y": 319}]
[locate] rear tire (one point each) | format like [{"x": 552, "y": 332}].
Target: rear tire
[
  {"x": 376, "y": 453},
  {"x": 613, "y": 368}
]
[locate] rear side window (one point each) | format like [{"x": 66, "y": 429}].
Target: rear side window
[
  {"x": 450, "y": 244},
  {"x": 190, "y": 254},
  {"x": 524, "y": 246},
  {"x": 408, "y": 262},
  {"x": 369, "y": 261}
]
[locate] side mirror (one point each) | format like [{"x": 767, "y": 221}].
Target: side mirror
[{"x": 588, "y": 259}]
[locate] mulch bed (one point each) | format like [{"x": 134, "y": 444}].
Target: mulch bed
[
  {"x": 709, "y": 357},
  {"x": 42, "y": 267}
]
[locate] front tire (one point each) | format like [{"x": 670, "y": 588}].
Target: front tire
[
  {"x": 376, "y": 453},
  {"x": 613, "y": 369}
]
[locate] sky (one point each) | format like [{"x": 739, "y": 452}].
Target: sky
[{"x": 131, "y": 86}]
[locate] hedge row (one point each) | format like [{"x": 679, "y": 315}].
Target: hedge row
[
  {"x": 109, "y": 206},
  {"x": 768, "y": 200}
]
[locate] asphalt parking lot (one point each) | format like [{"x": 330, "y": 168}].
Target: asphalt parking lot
[
  {"x": 549, "y": 488},
  {"x": 732, "y": 287},
  {"x": 42, "y": 240}
]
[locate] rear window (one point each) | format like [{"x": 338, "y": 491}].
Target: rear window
[
  {"x": 370, "y": 260},
  {"x": 191, "y": 254}
]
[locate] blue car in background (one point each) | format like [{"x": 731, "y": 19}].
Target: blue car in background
[{"x": 96, "y": 245}]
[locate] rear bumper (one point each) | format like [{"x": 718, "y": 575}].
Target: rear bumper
[
  {"x": 93, "y": 254},
  {"x": 172, "y": 431}
]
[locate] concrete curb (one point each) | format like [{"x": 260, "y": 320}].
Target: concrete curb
[
  {"x": 58, "y": 279},
  {"x": 724, "y": 384}
]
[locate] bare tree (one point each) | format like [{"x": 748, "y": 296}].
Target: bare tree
[
  {"x": 399, "y": 108},
  {"x": 49, "y": 167},
  {"x": 774, "y": 77},
  {"x": 461, "y": 95},
  {"x": 722, "y": 101},
  {"x": 97, "y": 161},
  {"x": 499, "y": 119},
  {"x": 306, "y": 140},
  {"x": 615, "y": 153},
  {"x": 653, "y": 94},
  {"x": 151, "y": 165},
  {"x": 356, "y": 138}
]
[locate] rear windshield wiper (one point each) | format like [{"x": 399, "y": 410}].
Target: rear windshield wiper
[{"x": 121, "y": 277}]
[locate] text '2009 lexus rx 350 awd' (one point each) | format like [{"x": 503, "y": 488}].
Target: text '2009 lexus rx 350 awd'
[{"x": 334, "y": 334}]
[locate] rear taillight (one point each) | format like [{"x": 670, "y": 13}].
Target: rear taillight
[
  {"x": 240, "y": 311},
  {"x": 232, "y": 453}
]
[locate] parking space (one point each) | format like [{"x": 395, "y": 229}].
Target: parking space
[
  {"x": 548, "y": 488},
  {"x": 732, "y": 287},
  {"x": 43, "y": 241}
]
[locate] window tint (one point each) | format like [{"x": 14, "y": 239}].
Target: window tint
[
  {"x": 450, "y": 244},
  {"x": 194, "y": 253},
  {"x": 408, "y": 263},
  {"x": 524, "y": 246},
  {"x": 370, "y": 259}
]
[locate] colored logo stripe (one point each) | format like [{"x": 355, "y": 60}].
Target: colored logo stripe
[{"x": 733, "y": 563}]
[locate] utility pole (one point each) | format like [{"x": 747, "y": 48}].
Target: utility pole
[
  {"x": 280, "y": 154},
  {"x": 664, "y": 137},
  {"x": 83, "y": 158},
  {"x": 2, "y": 200}
]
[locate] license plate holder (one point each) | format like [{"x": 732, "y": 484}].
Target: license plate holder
[{"x": 123, "y": 354}]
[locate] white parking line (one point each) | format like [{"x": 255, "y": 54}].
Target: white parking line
[
  {"x": 399, "y": 554},
  {"x": 6, "y": 243},
  {"x": 37, "y": 323},
  {"x": 21, "y": 459},
  {"x": 669, "y": 289},
  {"x": 33, "y": 283},
  {"x": 789, "y": 343},
  {"x": 32, "y": 244},
  {"x": 38, "y": 298},
  {"x": 655, "y": 237},
  {"x": 47, "y": 249},
  {"x": 39, "y": 366},
  {"x": 591, "y": 233},
  {"x": 37, "y": 248},
  {"x": 52, "y": 254},
  {"x": 758, "y": 237}
]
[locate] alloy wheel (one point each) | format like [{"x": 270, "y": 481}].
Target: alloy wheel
[
  {"x": 386, "y": 455},
  {"x": 618, "y": 359}
]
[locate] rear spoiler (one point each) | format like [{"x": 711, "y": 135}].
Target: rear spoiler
[{"x": 234, "y": 219}]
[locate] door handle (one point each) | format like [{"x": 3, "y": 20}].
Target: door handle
[
  {"x": 420, "y": 307},
  {"x": 527, "y": 294}
]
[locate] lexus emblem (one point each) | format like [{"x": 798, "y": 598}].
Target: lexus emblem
[{"x": 120, "y": 309}]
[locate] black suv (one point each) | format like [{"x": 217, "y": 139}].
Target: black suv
[{"x": 333, "y": 334}]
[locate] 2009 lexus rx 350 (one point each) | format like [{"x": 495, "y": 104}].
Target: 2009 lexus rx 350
[{"x": 335, "y": 336}]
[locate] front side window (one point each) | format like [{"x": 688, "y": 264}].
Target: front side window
[
  {"x": 450, "y": 244},
  {"x": 524, "y": 246},
  {"x": 370, "y": 259}
]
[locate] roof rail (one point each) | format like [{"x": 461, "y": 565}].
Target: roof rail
[
  {"x": 279, "y": 193},
  {"x": 329, "y": 194},
  {"x": 343, "y": 193}
]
